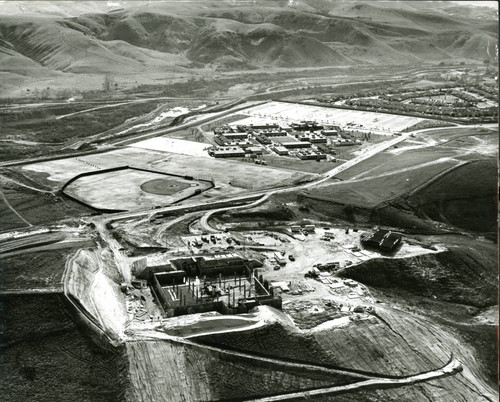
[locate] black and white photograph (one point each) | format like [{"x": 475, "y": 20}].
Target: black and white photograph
[{"x": 249, "y": 200}]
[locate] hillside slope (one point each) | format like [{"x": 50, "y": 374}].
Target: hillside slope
[
  {"x": 168, "y": 36},
  {"x": 463, "y": 274},
  {"x": 387, "y": 343},
  {"x": 472, "y": 205}
]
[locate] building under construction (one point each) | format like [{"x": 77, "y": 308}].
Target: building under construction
[{"x": 225, "y": 283}]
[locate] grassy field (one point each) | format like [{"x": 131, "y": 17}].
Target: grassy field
[
  {"x": 39, "y": 270},
  {"x": 46, "y": 358},
  {"x": 465, "y": 197},
  {"x": 36, "y": 132},
  {"x": 308, "y": 166},
  {"x": 371, "y": 191},
  {"x": 38, "y": 209}
]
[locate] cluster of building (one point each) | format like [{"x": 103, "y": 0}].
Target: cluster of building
[{"x": 304, "y": 140}]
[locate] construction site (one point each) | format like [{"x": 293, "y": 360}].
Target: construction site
[{"x": 286, "y": 245}]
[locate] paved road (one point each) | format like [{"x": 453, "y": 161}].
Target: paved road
[
  {"x": 252, "y": 195},
  {"x": 369, "y": 152}
]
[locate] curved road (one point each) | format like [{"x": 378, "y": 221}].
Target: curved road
[
  {"x": 328, "y": 175},
  {"x": 452, "y": 368}
]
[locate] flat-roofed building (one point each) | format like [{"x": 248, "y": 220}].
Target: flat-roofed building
[
  {"x": 263, "y": 139},
  {"x": 274, "y": 133},
  {"x": 254, "y": 150},
  {"x": 309, "y": 154},
  {"x": 237, "y": 136},
  {"x": 264, "y": 126},
  {"x": 221, "y": 140},
  {"x": 296, "y": 144},
  {"x": 227, "y": 152},
  {"x": 280, "y": 150},
  {"x": 329, "y": 133},
  {"x": 312, "y": 138}
]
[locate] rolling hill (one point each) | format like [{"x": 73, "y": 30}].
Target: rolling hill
[
  {"x": 471, "y": 206},
  {"x": 168, "y": 36}
]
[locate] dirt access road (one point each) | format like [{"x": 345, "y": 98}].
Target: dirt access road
[{"x": 452, "y": 368}]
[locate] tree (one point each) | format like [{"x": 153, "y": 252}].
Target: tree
[
  {"x": 46, "y": 93},
  {"x": 108, "y": 83}
]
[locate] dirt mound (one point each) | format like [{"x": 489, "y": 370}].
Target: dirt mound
[{"x": 463, "y": 274}]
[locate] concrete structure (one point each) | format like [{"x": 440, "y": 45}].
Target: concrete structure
[
  {"x": 254, "y": 150},
  {"x": 306, "y": 126},
  {"x": 296, "y": 144},
  {"x": 271, "y": 126},
  {"x": 280, "y": 285},
  {"x": 280, "y": 150},
  {"x": 308, "y": 154},
  {"x": 263, "y": 139},
  {"x": 312, "y": 138},
  {"x": 183, "y": 292},
  {"x": 274, "y": 133},
  {"x": 221, "y": 140},
  {"x": 227, "y": 152},
  {"x": 329, "y": 133},
  {"x": 343, "y": 143},
  {"x": 213, "y": 264},
  {"x": 324, "y": 149},
  {"x": 237, "y": 136}
]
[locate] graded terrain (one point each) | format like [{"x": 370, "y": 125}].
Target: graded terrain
[{"x": 232, "y": 201}]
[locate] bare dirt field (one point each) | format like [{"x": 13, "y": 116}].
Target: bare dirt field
[
  {"x": 163, "y": 186},
  {"x": 59, "y": 171},
  {"x": 230, "y": 176},
  {"x": 93, "y": 279},
  {"x": 289, "y": 112},
  {"x": 174, "y": 145},
  {"x": 132, "y": 189}
]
